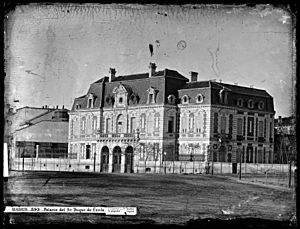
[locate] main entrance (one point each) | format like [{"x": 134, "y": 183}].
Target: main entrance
[
  {"x": 104, "y": 159},
  {"x": 116, "y": 160},
  {"x": 129, "y": 160}
]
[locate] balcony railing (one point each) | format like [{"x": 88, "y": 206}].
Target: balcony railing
[{"x": 112, "y": 136}]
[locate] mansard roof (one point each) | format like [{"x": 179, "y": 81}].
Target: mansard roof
[
  {"x": 166, "y": 73},
  {"x": 233, "y": 88}
]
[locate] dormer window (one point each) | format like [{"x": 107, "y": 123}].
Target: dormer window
[
  {"x": 121, "y": 93},
  {"x": 240, "y": 102},
  {"x": 223, "y": 94},
  {"x": 185, "y": 99},
  {"x": 171, "y": 99},
  {"x": 250, "y": 103},
  {"x": 152, "y": 94},
  {"x": 261, "y": 105},
  {"x": 90, "y": 101},
  {"x": 199, "y": 98},
  {"x": 77, "y": 106}
]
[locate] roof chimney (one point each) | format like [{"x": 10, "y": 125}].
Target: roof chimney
[
  {"x": 112, "y": 72},
  {"x": 194, "y": 76},
  {"x": 45, "y": 106},
  {"x": 152, "y": 68},
  {"x": 279, "y": 120},
  {"x": 56, "y": 106}
]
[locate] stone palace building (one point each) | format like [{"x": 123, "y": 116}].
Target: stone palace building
[{"x": 164, "y": 116}]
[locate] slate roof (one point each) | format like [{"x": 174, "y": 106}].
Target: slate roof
[
  {"x": 234, "y": 88},
  {"x": 166, "y": 72}
]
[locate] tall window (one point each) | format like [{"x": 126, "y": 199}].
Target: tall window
[
  {"x": 72, "y": 128},
  {"x": 143, "y": 122},
  {"x": 156, "y": 121},
  {"x": 94, "y": 124},
  {"x": 260, "y": 129},
  {"x": 90, "y": 103},
  {"x": 191, "y": 122},
  {"x": 239, "y": 126},
  {"x": 184, "y": 124},
  {"x": 171, "y": 124},
  {"x": 82, "y": 150},
  {"x": 223, "y": 125},
  {"x": 230, "y": 124},
  {"x": 132, "y": 124},
  {"x": 93, "y": 150},
  {"x": 216, "y": 122},
  {"x": 250, "y": 126},
  {"x": 83, "y": 125},
  {"x": 108, "y": 125},
  {"x": 88, "y": 152}
]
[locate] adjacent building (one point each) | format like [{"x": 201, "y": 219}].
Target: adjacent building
[
  {"x": 285, "y": 140},
  {"x": 163, "y": 116},
  {"x": 39, "y": 132}
]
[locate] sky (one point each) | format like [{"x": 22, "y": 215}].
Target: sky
[{"x": 54, "y": 52}]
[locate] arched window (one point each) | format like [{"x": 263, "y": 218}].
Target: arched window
[
  {"x": 171, "y": 99},
  {"x": 240, "y": 102},
  {"x": 185, "y": 99},
  {"x": 77, "y": 106},
  {"x": 250, "y": 103},
  {"x": 90, "y": 100},
  {"x": 152, "y": 93},
  {"x": 261, "y": 105},
  {"x": 199, "y": 98}
]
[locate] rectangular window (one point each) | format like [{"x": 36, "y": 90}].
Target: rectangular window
[
  {"x": 132, "y": 124},
  {"x": 88, "y": 152},
  {"x": 239, "y": 126},
  {"x": 142, "y": 152},
  {"x": 108, "y": 125},
  {"x": 82, "y": 150},
  {"x": 151, "y": 98},
  {"x": 260, "y": 129},
  {"x": 230, "y": 124},
  {"x": 143, "y": 122},
  {"x": 223, "y": 125},
  {"x": 156, "y": 121},
  {"x": 250, "y": 126},
  {"x": 191, "y": 123},
  {"x": 216, "y": 123},
  {"x": 93, "y": 150},
  {"x": 94, "y": 123},
  {"x": 82, "y": 124},
  {"x": 72, "y": 128},
  {"x": 171, "y": 124},
  {"x": 90, "y": 103}
]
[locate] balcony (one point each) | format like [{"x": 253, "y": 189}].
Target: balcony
[{"x": 117, "y": 137}]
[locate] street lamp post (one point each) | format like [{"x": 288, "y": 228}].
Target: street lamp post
[
  {"x": 240, "y": 172},
  {"x": 164, "y": 158}
]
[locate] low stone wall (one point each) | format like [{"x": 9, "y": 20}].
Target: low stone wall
[{"x": 189, "y": 167}]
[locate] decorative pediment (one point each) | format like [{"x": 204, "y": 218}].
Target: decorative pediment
[
  {"x": 152, "y": 90},
  {"x": 121, "y": 89}
]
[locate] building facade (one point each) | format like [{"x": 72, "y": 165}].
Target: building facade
[{"x": 161, "y": 116}]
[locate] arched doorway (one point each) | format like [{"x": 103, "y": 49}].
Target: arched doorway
[
  {"x": 104, "y": 159},
  {"x": 129, "y": 160},
  {"x": 116, "y": 160}
]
